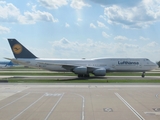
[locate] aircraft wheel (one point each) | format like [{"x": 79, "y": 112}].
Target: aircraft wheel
[
  {"x": 83, "y": 76},
  {"x": 143, "y": 75},
  {"x": 79, "y": 75},
  {"x": 87, "y": 75}
]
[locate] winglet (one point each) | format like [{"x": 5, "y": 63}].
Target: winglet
[{"x": 19, "y": 50}]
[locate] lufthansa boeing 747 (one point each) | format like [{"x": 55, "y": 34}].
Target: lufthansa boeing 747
[{"x": 81, "y": 67}]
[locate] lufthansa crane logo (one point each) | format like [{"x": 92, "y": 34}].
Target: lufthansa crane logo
[{"x": 17, "y": 48}]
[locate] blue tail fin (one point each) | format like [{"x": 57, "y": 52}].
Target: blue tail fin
[
  {"x": 10, "y": 63},
  {"x": 19, "y": 50}
]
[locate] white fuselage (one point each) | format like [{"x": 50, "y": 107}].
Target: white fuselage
[{"x": 110, "y": 64}]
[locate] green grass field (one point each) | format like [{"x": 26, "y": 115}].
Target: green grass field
[{"x": 13, "y": 80}]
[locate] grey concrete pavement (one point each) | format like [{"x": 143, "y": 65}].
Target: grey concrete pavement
[{"x": 80, "y": 101}]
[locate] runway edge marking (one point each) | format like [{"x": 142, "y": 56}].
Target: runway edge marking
[
  {"x": 54, "y": 107},
  {"x": 28, "y": 107},
  {"x": 14, "y": 101},
  {"x": 83, "y": 102},
  {"x": 129, "y": 106}
]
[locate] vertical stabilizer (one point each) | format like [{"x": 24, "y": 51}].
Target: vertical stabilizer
[{"x": 19, "y": 50}]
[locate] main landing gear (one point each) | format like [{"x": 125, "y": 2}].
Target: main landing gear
[
  {"x": 83, "y": 75},
  {"x": 143, "y": 74}
]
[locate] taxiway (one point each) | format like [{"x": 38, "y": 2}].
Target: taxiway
[{"x": 79, "y": 101}]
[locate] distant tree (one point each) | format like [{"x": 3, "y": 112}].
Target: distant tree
[{"x": 158, "y": 63}]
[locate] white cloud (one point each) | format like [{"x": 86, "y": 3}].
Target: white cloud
[
  {"x": 65, "y": 48},
  {"x": 34, "y": 16},
  {"x": 4, "y": 30},
  {"x": 104, "y": 34},
  {"x": 102, "y": 25},
  {"x": 92, "y": 25},
  {"x": 152, "y": 8},
  {"x": 9, "y": 13},
  {"x": 152, "y": 44},
  {"x": 103, "y": 17},
  {"x": 117, "y": 2},
  {"x": 79, "y": 19},
  {"x": 79, "y": 4},
  {"x": 53, "y": 4},
  {"x": 141, "y": 16},
  {"x": 143, "y": 38},
  {"x": 67, "y": 25},
  {"x": 120, "y": 38}
]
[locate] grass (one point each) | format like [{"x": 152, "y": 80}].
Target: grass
[
  {"x": 77, "y": 80},
  {"x": 38, "y": 74}
]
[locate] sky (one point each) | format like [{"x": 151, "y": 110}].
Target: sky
[{"x": 82, "y": 28}]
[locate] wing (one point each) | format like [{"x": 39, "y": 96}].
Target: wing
[{"x": 69, "y": 67}]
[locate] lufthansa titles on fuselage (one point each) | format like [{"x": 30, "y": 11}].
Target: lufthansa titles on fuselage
[{"x": 127, "y": 63}]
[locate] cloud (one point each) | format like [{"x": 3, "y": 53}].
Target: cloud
[
  {"x": 92, "y": 25},
  {"x": 152, "y": 44},
  {"x": 79, "y": 20},
  {"x": 120, "y": 38},
  {"x": 79, "y": 4},
  {"x": 140, "y": 16},
  {"x": 152, "y": 8},
  {"x": 102, "y": 25},
  {"x": 9, "y": 13},
  {"x": 35, "y": 16},
  {"x": 67, "y": 25},
  {"x": 65, "y": 48},
  {"x": 143, "y": 38},
  {"x": 104, "y": 34},
  {"x": 117, "y": 2},
  {"x": 53, "y": 4},
  {"x": 4, "y": 30}
]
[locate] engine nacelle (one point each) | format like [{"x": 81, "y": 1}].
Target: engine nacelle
[
  {"x": 80, "y": 70},
  {"x": 99, "y": 72}
]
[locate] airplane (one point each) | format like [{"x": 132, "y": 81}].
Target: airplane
[
  {"x": 6, "y": 64},
  {"x": 81, "y": 67}
]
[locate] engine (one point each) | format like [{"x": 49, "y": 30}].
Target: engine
[
  {"x": 100, "y": 72},
  {"x": 80, "y": 70}
]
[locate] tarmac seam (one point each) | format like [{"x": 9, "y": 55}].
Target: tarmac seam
[{"x": 129, "y": 106}]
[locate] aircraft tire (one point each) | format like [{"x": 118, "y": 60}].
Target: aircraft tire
[{"x": 143, "y": 75}]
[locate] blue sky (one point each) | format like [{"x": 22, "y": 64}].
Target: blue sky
[{"x": 82, "y": 28}]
